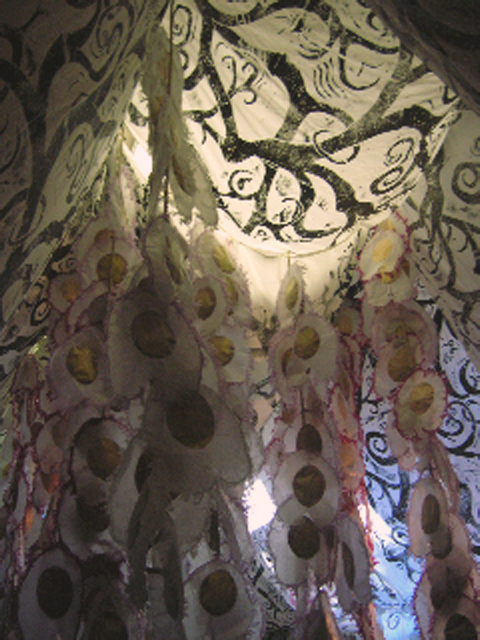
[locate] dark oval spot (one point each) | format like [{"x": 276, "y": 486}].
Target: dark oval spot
[
  {"x": 173, "y": 601},
  {"x": 348, "y": 565},
  {"x": 3, "y": 523},
  {"x": 97, "y": 310},
  {"x": 214, "y": 532},
  {"x": 291, "y": 293},
  {"x": 232, "y": 292},
  {"x": 460, "y": 627},
  {"x": 94, "y": 516},
  {"x": 401, "y": 364},
  {"x": 143, "y": 470},
  {"x": 308, "y": 439},
  {"x": 223, "y": 259},
  {"x": 430, "y": 514},
  {"x": 309, "y": 485},
  {"x": 446, "y": 591},
  {"x": 285, "y": 360},
  {"x": 152, "y": 335},
  {"x": 173, "y": 265},
  {"x": 112, "y": 268},
  {"x": 330, "y": 536},
  {"x": 204, "y": 302},
  {"x": 54, "y": 592},
  {"x": 103, "y": 456},
  {"x": 108, "y": 626},
  {"x": 421, "y": 398},
  {"x": 191, "y": 421},
  {"x": 304, "y": 539},
  {"x": 307, "y": 343},
  {"x": 218, "y": 593},
  {"x": 82, "y": 364},
  {"x": 441, "y": 545}
]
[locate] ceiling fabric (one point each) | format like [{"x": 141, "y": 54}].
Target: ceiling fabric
[
  {"x": 312, "y": 123},
  {"x": 239, "y": 257}
]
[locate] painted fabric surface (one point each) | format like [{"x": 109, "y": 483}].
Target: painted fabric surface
[{"x": 341, "y": 170}]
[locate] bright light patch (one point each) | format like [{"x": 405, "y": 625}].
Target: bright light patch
[
  {"x": 260, "y": 507},
  {"x": 143, "y": 160},
  {"x": 375, "y": 521}
]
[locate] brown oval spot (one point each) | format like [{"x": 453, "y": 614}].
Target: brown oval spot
[
  {"x": 108, "y": 626},
  {"x": 285, "y": 360},
  {"x": 3, "y": 524},
  {"x": 291, "y": 293},
  {"x": 143, "y": 470},
  {"x": 308, "y": 439},
  {"x": 307, "y": 343},
  {"x": 28, "y": 518},
  {"x": 348, "y": 565},
  {"x": 82, "y": 364},
  {"x": 173, "y": 596},
  {"x": 309, "y": 485},
  {"x": 59, "y": 430},
  {"x": 459, "y": 627},
  {"x": 50, "y": 481},
  {"x": 223, "y": 349},
  {"x": 218, "y": 593},
  {"x": 98, "y": 309},
  {"x": 190, "y": 420},
  {"x": 70, "y": 289},
  {"x": 174, "y": 270},
  {"x": 204, "y": 302},
  {"x": 103, "y": 456},
  {"x": 54, "y": 592},
  {"x": 223, "y": 259},
  {"x": 104, "y": 235},
  {"x": 401, "y": 365},
  {"x": 430, "y": 514},
  {"x": 343, "y": 322},
  {"x": 112, "y": 268},
  {"x": 421, "y": 398},
  {"x": 232, "y": 292},
  {"x": 94, "y": 516},
  {"x": 441, "y": 545},
  {"x": 330, "y": 535},
  {"x": 152, "y": 335},
  {"x": 304, "y": 539}
]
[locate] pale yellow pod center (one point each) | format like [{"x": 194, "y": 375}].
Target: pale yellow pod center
[
  {"x": 383, "y": 248},
  {"x": 205, "y": 302},
  {"x": 291, "y": 294},
  {"x": 112, "y": 268},
  {"x": 223, "y": 348},
  {"x": 307, "y": 343},
  {"x": 223, "y": 259}
]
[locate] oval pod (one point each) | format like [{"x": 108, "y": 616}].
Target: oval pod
[
  {"x": 49, "y": 599},
  {"x": 428, "y": 518}
]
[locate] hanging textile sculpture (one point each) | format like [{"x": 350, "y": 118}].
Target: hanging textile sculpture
[
  {"x": 131, "y": 440},
  {"x": 131, "y": 429}
]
